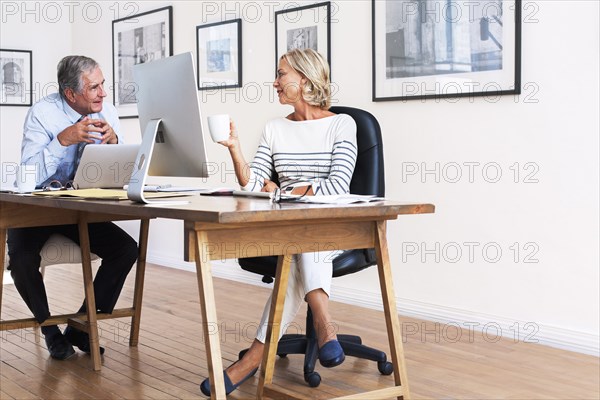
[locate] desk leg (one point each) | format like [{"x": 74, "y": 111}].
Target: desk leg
[
  {"x": 138, "y": 292},
  {"x": 90, "y": 300},
  {"x": 2, "y": 260},
  {"x": 274, "y": 326},
  {"x": 389, "y": 306},
  {"x": 209, "y": 317}
]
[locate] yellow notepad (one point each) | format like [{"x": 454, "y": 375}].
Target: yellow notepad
[{"x": 103, "y": 194}]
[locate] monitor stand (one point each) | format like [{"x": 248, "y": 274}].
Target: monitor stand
[{"x": 135, "y": 189}]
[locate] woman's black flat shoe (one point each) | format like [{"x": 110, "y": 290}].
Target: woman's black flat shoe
[
  {"x": 331, "y": 354},
  {"x": 229, "y": 386}
]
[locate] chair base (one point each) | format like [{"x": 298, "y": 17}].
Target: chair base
[
  {"x": 307, "y": 345},
  {"x": 352, "y": 345}
]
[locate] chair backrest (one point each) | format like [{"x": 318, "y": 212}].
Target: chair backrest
[{"x": 368, "y": 178}]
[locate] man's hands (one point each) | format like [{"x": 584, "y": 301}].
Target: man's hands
[
  {"x": 88, "y": 131},
  {"x": 108, "y": 134}
]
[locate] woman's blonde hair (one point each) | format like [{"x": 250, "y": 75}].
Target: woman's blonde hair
[{"x": 312, "y": 65}]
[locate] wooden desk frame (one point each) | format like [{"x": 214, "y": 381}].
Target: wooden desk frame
[
  {"x": 23, "y": 216},
  {"x": 214, "y": 242},
  {"x": 221, "y": 228}
]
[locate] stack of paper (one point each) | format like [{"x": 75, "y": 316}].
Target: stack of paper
[{"x": 102, "y": 194}]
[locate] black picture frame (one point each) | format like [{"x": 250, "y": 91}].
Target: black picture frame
[
  {"x": 303, "y": 27},
  {"x": 137, "y": 39},
  {"x": 16, "y": 85},
  {"x": 460, "y": 49},
  {"x": 219, "y": 55}
]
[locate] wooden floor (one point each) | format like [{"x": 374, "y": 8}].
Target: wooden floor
[{"x": 170, "y": 362}]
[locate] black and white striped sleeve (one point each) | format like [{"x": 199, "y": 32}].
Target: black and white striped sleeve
[{"x": 261, "y": 167}]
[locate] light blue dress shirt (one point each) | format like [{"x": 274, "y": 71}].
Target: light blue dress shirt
[{"x": 45, "y": 120}]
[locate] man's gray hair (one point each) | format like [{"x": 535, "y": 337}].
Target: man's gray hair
[{"x": 70, "y": 70}]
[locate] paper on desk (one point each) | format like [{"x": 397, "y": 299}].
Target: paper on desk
[
  {"x": 340, "y": 199},
  {"x": 102, "y": 194}
]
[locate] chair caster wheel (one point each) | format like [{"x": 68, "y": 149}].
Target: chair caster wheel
[
  {"x": 282, "y": 355},
  {"x": 313, "y": 379},
  {"x": 385, "y": 367}
]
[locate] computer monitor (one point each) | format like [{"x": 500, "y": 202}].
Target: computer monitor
[{"x": 171, "y": 123}]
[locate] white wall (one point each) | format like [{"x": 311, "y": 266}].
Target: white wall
[
  {"x": 46, "y": 54},
  {"x": 542, "y": 214}
]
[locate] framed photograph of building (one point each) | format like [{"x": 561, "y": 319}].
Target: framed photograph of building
[
  {"x": 219, "y": 55},
  {"x": 17, "y": 80},
  {"x": 138, "y": 39},
  {"x": 303, "y": 27},
  {"x": 446, "y": 49}
]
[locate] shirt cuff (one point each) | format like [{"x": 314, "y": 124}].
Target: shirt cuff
[
  {"x": 253, "y": 184},
  {"x": 250, "y": 186}
]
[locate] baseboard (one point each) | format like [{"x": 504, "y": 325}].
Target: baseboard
[
  {"x": 490, "y": 326},
  {"x": 448, "y": 319},
  {"x": 226, "y": 269}
]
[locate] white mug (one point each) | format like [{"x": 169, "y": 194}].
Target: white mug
[
  {"x": 218, "y": 125},
  {"x": 27, "y": 177}
]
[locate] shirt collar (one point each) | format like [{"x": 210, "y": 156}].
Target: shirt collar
[{"x": 73, "y": 115}]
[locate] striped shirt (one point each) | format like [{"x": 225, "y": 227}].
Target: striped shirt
[{"x": 320, "y": 152}]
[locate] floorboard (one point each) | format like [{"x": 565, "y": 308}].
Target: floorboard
[{"x": 170, "y": 362}]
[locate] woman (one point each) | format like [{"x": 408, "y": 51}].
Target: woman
[{"x": 313, "y": 152}]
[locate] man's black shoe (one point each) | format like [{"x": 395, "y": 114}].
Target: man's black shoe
[
  {"x": 80, "y": 339},
  {"x": 58, "y": 347}
]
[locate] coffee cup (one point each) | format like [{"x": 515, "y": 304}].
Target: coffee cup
[
  {"x": 219, "y": 128},
  {"x": 27, "y": 178}
]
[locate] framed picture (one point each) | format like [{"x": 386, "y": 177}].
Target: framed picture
[
  {"x": 138, "y": 39},
  {"x": 219, "y": 55},
  {"x": 442, "y": 49},
  {"x": 303, "y": 27},
  {"x": 17, "y": 80}
]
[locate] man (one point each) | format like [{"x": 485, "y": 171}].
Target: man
[{"x": 55, "y": 131}]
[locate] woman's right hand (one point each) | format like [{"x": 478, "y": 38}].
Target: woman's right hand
[
  {"x": 242, "y": 170},
  {"x": 232, "y": 142}
]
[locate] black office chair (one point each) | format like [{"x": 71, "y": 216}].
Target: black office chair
[{"x": 368, "y": 178}]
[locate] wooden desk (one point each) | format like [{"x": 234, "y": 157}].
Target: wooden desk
[{"x": 232, "y": 227}]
